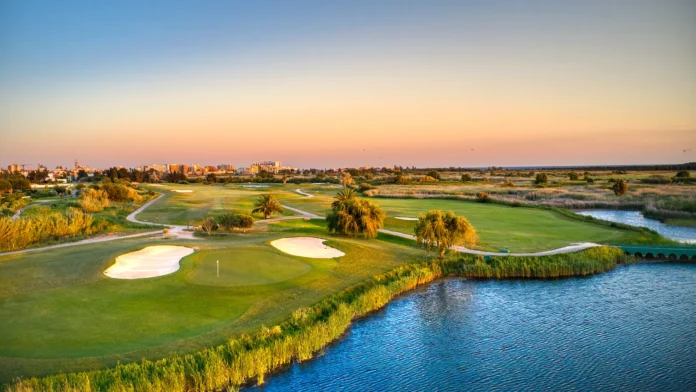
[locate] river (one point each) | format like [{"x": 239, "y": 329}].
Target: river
[
  {"x": 631, "y": 329},
  {"x": 635, "y": 218}
]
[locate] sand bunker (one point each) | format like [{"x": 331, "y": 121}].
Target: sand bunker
[
  {"x": 183, "y": 190},
  {"x": 148, "y": 262},
  {"x": 307, "y": 247},
  {"x": 405, "y": 218}
]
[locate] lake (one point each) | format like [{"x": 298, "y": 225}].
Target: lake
[
  {"x": 631, "y": 329},
  {"x": 635, "y": 218}
]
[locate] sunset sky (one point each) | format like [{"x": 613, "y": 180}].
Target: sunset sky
[{"x": 348, "y": 83}]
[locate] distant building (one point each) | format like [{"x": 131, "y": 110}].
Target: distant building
[
  {"x": 13, "y": 168},
  {"x": 173, "y": 167},
  {"x": 184, "y": 168}
]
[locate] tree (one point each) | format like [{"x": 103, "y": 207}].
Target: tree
[
  {"x": 365, "y": 187},
  {"x": 352, "y": 216},
  {"x": 573, "y": 176},
  {"x": 466, "y": 177},
  {"x": 620, "y": 187},
  {"x": 267, "y": 204},
  {"x": 683, "y": 174},
  {"x": 508, "y": 183},
  {"x": 442, "y": 231},
  {"x": 434, "y": 174},
  {"x": 208, "y": 225},
  {"x": 211, "y": 178},
  {"x": 541, "y": 178},
  {"x": 5, "y": 186},
  {"x": 227, "y": 220},
  {"x": 347, "y": 180}
]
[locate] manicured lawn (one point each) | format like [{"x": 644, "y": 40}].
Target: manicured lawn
[
  {"x": 500, "y": 227},
  {"x": 206, "y": 200},
  {"x": 58, "y": 312},
  {"x": 247, "y": 266}
]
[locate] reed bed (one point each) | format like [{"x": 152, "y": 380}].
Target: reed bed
[
  {"x": 25, "y": 231},
  {"x": 249, "y": 358}
]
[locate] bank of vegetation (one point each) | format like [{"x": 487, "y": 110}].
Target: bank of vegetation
[
  {"x": 98, "y": 208},
  {"x": 249, "y": 358}
]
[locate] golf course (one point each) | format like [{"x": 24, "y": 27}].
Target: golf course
[{"x": 61, "y": 312}]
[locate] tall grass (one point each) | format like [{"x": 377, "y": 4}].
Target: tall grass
[
  {"x": 25, "y": 231},
  {"x": 249, "y": 358}
]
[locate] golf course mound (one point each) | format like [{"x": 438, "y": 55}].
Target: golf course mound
[
  {"x": 148, "y": 262},
  {"x": 245, "y": 266},
  {"x": 306, "y": 247}
]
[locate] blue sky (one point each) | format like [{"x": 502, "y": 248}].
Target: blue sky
[{"x": 410, "y": 83}]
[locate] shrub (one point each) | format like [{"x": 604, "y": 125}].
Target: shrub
[
  {"x": 574, "y": 176},
  {"x": 683, "y": 174},
  {"x": 482, "y": 197},
  {"x": 93, "y": 200},
  {"x": 5, "y": 186},
  {"x": 365, "y": 187},
  {"x": 434, "y": 174},
  {"x": 541, "y": 178},
  {"x": 466, "y": 177},
  {"x": 620, "y": 187}
]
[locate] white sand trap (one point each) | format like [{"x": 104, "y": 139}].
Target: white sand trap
[
  {"x": 306, "y": 247},
  {"x": 148, "y": 262},
  {"x": 183, "y": 190},
  {"x": 405, "y": 218}
]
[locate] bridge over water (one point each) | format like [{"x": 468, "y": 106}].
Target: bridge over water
[{"x": 666, "y": 252}]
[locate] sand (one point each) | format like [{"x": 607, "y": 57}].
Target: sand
[
  {"x": 149, "y": 262},
  {"x": 405, "y": 218},
  {"x": 306, "y": 247},
  {"x": 183, "y": 190}
]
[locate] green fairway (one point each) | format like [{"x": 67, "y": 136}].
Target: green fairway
[
  {"x": 59, "y": 312},
  {"x": 501, "y": 227},
  {"x": 246, "y": 266},
  {"x": 206, "y": 200},
  {"x": 517, "y": 229}
]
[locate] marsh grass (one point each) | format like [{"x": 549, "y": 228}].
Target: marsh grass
[{"x": 249, "y": 358}]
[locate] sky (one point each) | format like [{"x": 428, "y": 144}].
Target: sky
[{"x": 348, "y": 83}]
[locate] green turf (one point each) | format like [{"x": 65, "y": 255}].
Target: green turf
[
  {"x": 245, "y": 266},
  {"x": 517, "y": 229},
  {"x": 58, "y": 312},
  {"x": 206, "y": 200}
]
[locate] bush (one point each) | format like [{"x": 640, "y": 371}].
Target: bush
[
  {"x": 541, "y": 178},
  {"x": 482, "y": 197},
  {"x": 466, "y": 177},
  {"x": 574, "y": 176},
  {"x": 683, "y": 174},
  {"x": 365, "y": 187},
  {"x": 434, "y": 174},
  {"x": 93, "y": 200},
  {"x": 620, "y": 187},
  {"x": 5, "y": 186}
]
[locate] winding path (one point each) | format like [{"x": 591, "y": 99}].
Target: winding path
[{"x": 182, "y": 232}]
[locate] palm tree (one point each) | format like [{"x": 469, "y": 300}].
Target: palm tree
[
  {"x": 342, "y": 197},
  {"x": 442, "y": 231},
  {"x": 353, "y": 216},
  {"x": 268, "y": 204}
]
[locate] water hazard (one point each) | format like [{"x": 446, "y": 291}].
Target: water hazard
[
  {"x": 630, "y": 329},
  {"x": 635, "y": 218}
]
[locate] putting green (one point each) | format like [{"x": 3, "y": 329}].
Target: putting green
[{"x": 246, "y": 266}]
